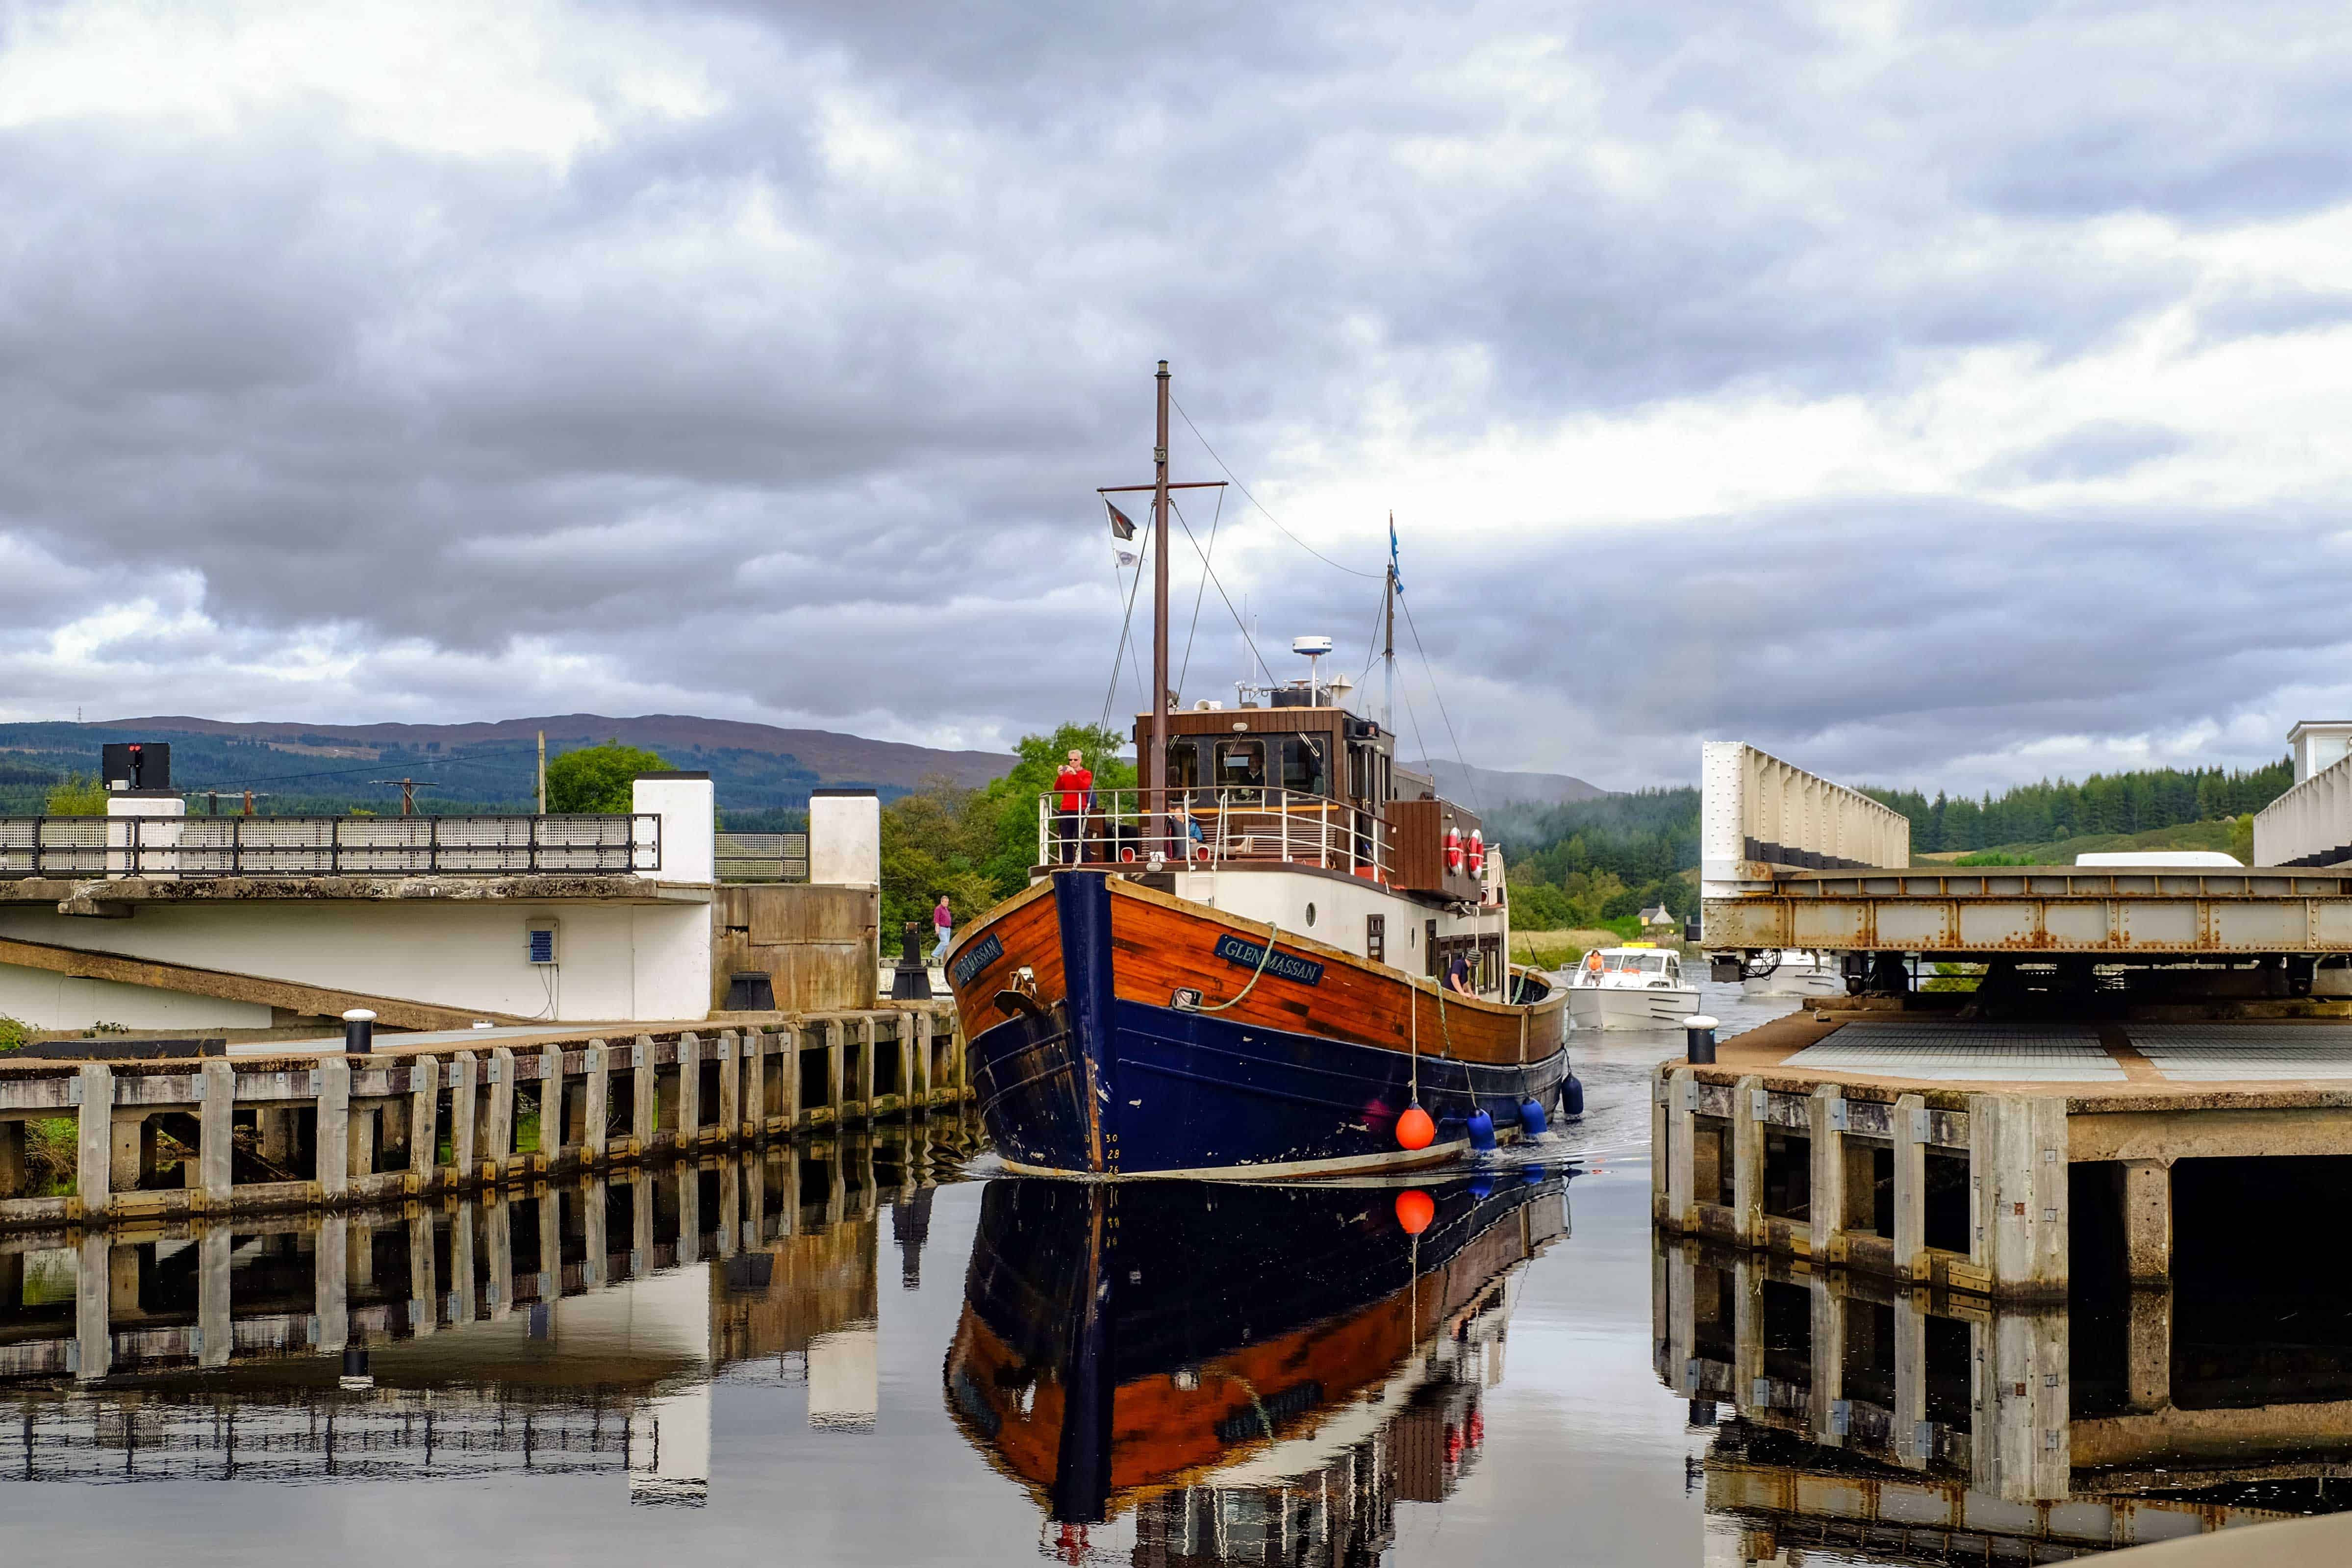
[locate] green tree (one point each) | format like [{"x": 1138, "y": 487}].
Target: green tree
[
  {"x": 77, "y": 794},
  {"x": 597, "y": 778},
  {"x": 1012, "y": 799}
]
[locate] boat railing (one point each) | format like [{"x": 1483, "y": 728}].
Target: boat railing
[{"x": 1234, "y": 825}]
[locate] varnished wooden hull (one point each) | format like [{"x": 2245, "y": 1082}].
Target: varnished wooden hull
[
  {"x": 1114, "y": 1341},
  {"x": 1081, "y": 1063}
]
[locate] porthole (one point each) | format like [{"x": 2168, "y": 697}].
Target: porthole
[{"x": 1311, "y": 914}]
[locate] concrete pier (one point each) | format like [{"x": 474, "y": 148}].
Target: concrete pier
[{"x": 440, "y": 1114}]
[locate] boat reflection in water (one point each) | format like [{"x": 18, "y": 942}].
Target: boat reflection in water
[{"x": 1186, "y": 1371}]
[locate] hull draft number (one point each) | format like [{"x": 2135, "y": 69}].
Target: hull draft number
[
  {"x": 969, "y": 966},
  {"x": 1246, "y": 954}
]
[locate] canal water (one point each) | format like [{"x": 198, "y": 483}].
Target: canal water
[{"x": 878, "y": 1351}]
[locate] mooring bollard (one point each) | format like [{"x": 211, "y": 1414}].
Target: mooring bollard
[
  {"x": 359, "y": 1031},
  {"x": 911, "y": 980},
  {"x": 1699, "y": 1039}
]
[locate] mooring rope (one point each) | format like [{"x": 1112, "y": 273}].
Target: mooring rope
[{"x": 1265, "y": 955}]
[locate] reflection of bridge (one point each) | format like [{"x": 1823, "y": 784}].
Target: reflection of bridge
[
  {"x": 1928, "y": 1425},
  {"x": 574, "y": 1329}
]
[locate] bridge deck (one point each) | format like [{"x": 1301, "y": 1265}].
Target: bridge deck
[{"x": 1958, "y": 914}]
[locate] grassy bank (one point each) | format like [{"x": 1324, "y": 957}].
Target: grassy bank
[{"x": 2217, "y": 835}]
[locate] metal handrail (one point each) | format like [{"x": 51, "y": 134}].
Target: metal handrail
[
  {"x": 184, "y": 848},
  {"x": 1237, "y": 825}
]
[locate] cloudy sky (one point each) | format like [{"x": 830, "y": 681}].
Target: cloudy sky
[{"x": 1932, "y": 394}]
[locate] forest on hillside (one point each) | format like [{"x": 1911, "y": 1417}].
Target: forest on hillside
[{"x": 1586, "y": 863}]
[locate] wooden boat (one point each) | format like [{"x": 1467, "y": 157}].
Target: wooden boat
[
  {"x": 1119, "y": 1344},
  {"x": 1260, "y": 963}
]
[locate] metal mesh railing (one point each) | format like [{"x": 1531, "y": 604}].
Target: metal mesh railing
[
  {"x": 1214, "y": 827},
  {"x": 760, "y": 857},
  {"x": 190, "y": 846}
]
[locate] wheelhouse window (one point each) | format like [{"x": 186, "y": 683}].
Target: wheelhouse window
[
  {"x": 1184, "y": 767},
  {"x": 1302, "y": 764},
  {"x": 1241, "y": 764}
]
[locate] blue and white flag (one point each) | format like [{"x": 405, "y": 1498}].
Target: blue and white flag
[{"x": 1394, "y": 575}]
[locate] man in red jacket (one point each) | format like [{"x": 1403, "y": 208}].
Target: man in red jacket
[{"x": 1072, "y": 786}]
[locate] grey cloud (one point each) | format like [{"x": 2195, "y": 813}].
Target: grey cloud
[
  {"x": 2102, "y": 448},
  {"x": 841, "y": 466}
]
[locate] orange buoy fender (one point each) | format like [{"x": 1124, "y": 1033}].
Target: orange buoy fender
[
  {"x": 1414, "y": 1210},
  {"x": 1414, "y": 1129}
]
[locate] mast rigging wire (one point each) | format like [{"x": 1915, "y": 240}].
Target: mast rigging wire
[
  {"x": 1200, "y": 590},
  {"x": 1261, "y": 505},
  {"x": 1467, "y": 781},
  {"x": 1212, "y": 575},
  {"x": 1110, "y": 692}
]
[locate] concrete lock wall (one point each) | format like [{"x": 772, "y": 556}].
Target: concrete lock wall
[
  {"x": 614, "y": 960},
  {"x": 845, "y": 837}
]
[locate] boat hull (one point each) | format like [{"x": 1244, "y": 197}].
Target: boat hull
[
  {"x": 1790, "y": 981},
  {"x": 1082, "y": 1072},
  {"x": 1630, "y": 1007}
]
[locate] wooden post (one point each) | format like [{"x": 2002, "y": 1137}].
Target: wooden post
[
  {"x": 788, "y": 1202},
  {"x": 1682, "y": 1148},
  {"x": 641, "y": 1228},
  {"x": 903, "y": 1029},
  {"x": 752, "y": 1117},
  {"x": 833, "y": 1050},
  {"x": 465, "y": 1123},
  {"x": 1662, "y": 1091},
  {"x": 362, "y": 1142},
  {"x": 334, "y": 1143},
  {"x": 755, "y": 1199},
  {"x": 788, "y": 1064},
  {"x": 130, "y": 1154},
  {"x": 729, "y": 1130},
  {"x": 1749, "y": 1390},
  {"x": 552, "y": 1106},
  {"x": 730, "y": 1227},
  {"x": 424, "y": 1122},
  {"x": 689, "y": 1089},
  {"x": 642, "y": 1122},
  {"x": 918, "y": 1023},
  {"x": 1911, "y": 1187},
  {"x": 498, "y": 1124},
  {"x": 1747, "y": 1160},
  {"x": 94, "y": 1152},
  {"x": 595, "y": 1102},
  {"x": 1825, "y": 1118},
  {"x": 869, "y": 1045}
]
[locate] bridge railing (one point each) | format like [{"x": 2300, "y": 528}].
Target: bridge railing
[
  {"x": 2310, "y": 824},
  {"x": 1760, "y": 816},
  {"x": 81, "y": 847}
]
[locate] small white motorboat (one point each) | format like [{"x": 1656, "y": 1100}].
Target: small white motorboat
[
  {"x": 1794, "y": 973},
  {"x": 1632, "y": 987}
]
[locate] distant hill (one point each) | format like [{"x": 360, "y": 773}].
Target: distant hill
[
  {"x": 311, "y": 766},
  {"x": 1483, "y": 789}
]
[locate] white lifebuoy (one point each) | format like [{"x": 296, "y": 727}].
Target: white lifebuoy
[
  {"x": 1453, "y": 850},
  {"x": 1477, "y": 852}
]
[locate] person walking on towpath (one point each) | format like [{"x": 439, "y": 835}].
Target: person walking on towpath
[
  {"x": 1072, "y": 785},
  {"x": 943, "y": 922}
]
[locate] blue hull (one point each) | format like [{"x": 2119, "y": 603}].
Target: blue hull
[{"x": 1117, "y": 1087}]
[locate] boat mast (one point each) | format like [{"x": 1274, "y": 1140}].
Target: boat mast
[
  {"x": 1388, "y": 650},
  {"x": 1155, "y": 769}
]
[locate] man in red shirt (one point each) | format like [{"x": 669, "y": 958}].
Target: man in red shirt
[{"x": 1072, "y": 786}]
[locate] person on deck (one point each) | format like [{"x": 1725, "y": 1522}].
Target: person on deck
[
  {"x": 943, "y": 922},
  {"x": 1457, "y": 974},
  {"x": 1072, "y": 785}
]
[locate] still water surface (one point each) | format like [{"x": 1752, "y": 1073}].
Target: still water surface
[{"x": 876, "y": 1352}]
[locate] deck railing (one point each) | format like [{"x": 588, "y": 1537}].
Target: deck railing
[
  {"x": 1211, "y": 827},
  {"x": 762, "y": 856},
  {"x": 198, "y": 847}
]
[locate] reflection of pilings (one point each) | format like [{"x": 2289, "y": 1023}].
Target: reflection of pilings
[
  {"x": 467, "y": 1261},
  {"x": 329, "y": 1131}
]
